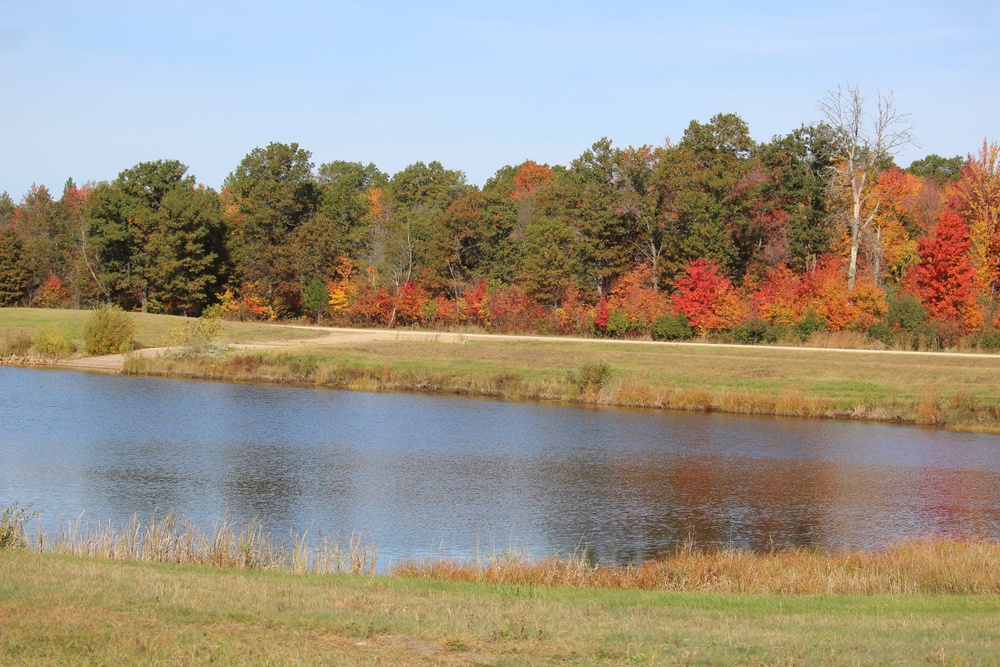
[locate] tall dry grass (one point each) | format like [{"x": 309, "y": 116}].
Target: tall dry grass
[
  {"x": 174, "y": 538},
  {"x": 921, "y": 566},
  {"x": 939, "y": 566}
]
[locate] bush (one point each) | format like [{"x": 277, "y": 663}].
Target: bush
[
  {"x": 671, "y": 327},
  {"x": 929, "y": 335},
  {"x": 315, "y": 298},
  {"x": 200, "y": 338},
  {"x": 905, "y": 312},
  {"x": 16, "y": 345},
  {"x": 809, "y": 323},
  {"x": 109, "y": 330},
  {"x": 988, "y": 340},
  {"x": 590, "y": 376},
  {"x": 51, "y": 343},
  {"x": 13, "y": 520},
  {"x": 755, "y": 331},
  {"x": 214, "y": 311},
  {"x": 618, "y": 325},
  {"x": 883, "y": 333}
]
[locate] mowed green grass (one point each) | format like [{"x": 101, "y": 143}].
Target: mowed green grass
[{"x": 65, "y": 610}]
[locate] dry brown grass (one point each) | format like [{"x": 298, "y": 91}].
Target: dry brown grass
[
  {"x": 174, "y": 538},
  {"x": 923, "y": 566}
]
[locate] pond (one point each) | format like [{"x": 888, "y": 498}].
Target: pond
[{"x": 428, "y": 475}]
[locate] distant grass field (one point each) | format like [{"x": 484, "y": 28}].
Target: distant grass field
[
  {"x": 67, "y": 610},
  {"x": 151, "y": 328}
]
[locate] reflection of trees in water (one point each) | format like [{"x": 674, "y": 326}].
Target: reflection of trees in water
[
  {"x": 632, "y": 506},
  {"x": 145, "y": 477},
  {"x": 262, "y": 480},
  {"x": 417, "y": 473},
  {"x": 957, "y": 502},
  {"x": 873, "y": 506}
]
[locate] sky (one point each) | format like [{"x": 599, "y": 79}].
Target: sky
[{"x": 88, "y": 90}]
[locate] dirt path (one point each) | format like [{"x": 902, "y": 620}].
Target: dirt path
[{"x": 108, "y": 363}]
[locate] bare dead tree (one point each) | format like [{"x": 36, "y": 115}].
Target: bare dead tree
[{"x": 864, "y": 140}]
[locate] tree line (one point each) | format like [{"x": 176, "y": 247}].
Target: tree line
[{"x": 816, "y": 229}]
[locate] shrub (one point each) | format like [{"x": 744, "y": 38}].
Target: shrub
[
  {"x": 13, "y": 520},
  {"x": 198, "y": 338},
  {"x": 988, "y": 340},
  {"x": 928, "y": 335},
  {"x": 671, "y": 327},
  {"x": 755, "y": 331},
  {"x": 315, "y": 298},
  {"x": 618, "y": 325},
  {"x": 51, "y": 343},
  {"x": 109, "y": 330},
  {"x": 590, "y": 376},
  {"x": 809, "y": 323},
  {"x": 16, "y": 345},
  {"x": 905, "y": 312},
  {"x": 882, "y": 332},
  {"x": 214, "y": 311}
]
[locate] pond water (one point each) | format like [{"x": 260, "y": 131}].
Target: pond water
[{"x": 431, "y": 475}]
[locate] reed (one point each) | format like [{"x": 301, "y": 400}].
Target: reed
[
  {"x": 176, "y": 539},
  {"x": 926, "y": 566},
  {"x": 933, "y": 566}
]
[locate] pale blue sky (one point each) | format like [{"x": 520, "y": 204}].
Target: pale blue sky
[{"x": 88, "y": 89}]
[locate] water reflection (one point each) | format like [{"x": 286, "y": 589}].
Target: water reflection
[{"x": 435, "y": 475}]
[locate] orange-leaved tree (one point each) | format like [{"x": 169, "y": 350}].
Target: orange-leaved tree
[
  {"x": 707, "y": 298},
  {"x": 976, "y": 197},
  {"x": 634, "y": 295},
  {"x": 778, "y": 296},
  {"x": 891, "y": 248},
  {"x": 841, "y": 309},
  {"x": 944, "y": 279},
  {"x": 529, "y": 177}
]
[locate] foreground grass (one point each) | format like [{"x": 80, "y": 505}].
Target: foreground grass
[{"x": 58, "y": 609}]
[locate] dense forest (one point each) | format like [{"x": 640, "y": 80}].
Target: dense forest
[{"x": 714, "y": 234}]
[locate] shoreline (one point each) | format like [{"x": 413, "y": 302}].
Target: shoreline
[
  {"x": 286, "y": 369},
  {"x": 957, "y": 391}
]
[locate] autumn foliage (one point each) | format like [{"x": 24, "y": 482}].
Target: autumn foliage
[
  {"x": 716, "y": 233},
  {"x": 945, "y": 280},
  {"x": 707, "y": 298}
]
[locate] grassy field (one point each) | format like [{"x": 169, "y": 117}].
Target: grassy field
[
  {"x": 152, "y": 330},
  {"x": 67, "y": 610},
  {"x": 936, "y": 389}
]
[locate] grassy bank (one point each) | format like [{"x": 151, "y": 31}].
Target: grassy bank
[
  {"x": 938, "y": 390},
  {"x": 164, "y": 592},
  {"x": 953, "y": 391},
  {"x": 938, "y": 566},
  {"x": 59, "y": 609}
]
